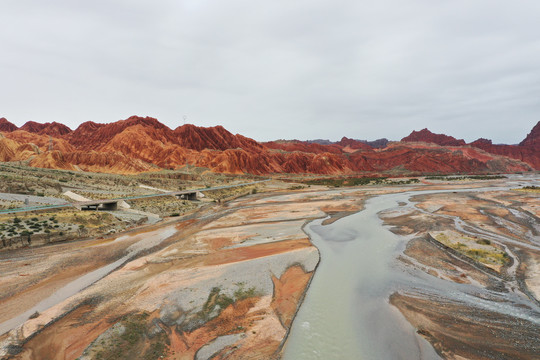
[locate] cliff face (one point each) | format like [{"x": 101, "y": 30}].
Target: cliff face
[
  {"x": 527, "y": 151},
  {"x": 140, "y": 144},
  {"x": 533, "y": 138},
  {"x": 527, "y": 154}
]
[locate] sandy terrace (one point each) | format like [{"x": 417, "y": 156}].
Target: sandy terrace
[
  {"x": 497, "y": 249},
  {"x": 245, "y": 271}
]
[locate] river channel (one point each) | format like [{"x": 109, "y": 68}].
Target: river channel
[{"x": 346, "y": 313}]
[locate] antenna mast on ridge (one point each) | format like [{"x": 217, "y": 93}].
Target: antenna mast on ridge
[{"x": 50, "y": 143}]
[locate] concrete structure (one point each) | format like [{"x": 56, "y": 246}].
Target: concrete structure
[
  {"x": 187, "y": 196},
  {"x": 114, "y": 204},
  {"x": 98, "y": 204},
  {"x": 109, "y": 204}
]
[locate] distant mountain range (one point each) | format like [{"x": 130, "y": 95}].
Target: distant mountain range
[{"x": 140, "y": 144}]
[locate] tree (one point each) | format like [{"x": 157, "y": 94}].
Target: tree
[{"x": 27, "y": 233}]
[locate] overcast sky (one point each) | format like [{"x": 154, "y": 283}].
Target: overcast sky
[{"x": 277, "y": 69}]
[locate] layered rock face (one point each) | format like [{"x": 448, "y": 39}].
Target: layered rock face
[
  {"x": 140, "y": 144},
  {"x": 6, "y": 126},
  {"x": 528, "y": 151},
  {"x": 533, "y": 138},
  {"x": 427, "y": 136}
]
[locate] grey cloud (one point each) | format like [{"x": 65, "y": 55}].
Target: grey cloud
[{"x": 281, "y": 69}]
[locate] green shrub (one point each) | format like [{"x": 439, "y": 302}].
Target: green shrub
[{"x": 483, "y": 242}]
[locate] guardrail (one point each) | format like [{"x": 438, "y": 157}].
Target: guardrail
[{"x": 77, "y": 204}]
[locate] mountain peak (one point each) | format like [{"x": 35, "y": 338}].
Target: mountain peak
[
  {"x": 533, "y": 138},
  {"x": 7, "y": 126},
  {"x": 427, "y": 136},
  {"x": 52, "y": 129}
]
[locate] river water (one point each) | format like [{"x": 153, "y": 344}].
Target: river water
[{"x": 346, "y": 314}]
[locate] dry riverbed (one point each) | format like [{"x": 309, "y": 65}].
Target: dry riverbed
[
  {"x": 225, "y": 282},
  {"x": 485, "y": 247}
]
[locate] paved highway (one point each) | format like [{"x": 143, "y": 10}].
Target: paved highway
[{"x": 74, "y": 204}]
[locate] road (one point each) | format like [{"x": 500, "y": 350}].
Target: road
[{"x": 73, "y": 204}]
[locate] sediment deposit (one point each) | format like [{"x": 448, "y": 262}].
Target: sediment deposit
[
  {"x": 227, "y": 281},
  {"x": 224, "y": 282}
]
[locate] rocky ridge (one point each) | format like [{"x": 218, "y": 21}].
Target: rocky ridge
[{"x": 139, "y": 144}]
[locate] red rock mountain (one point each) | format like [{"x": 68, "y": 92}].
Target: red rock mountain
[
  {"x": 527, "y": 154},
  {"x": 533, "y": 138},
  {"x": 303, "y": 146},
  {"x": 353, "y": 144},
  {"x": 140, "y": 144},
  {"x": 6, "y": 126},
  {"x": 427, "y": 136}
]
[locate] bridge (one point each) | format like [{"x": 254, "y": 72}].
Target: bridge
[
  {"x": 95, "y": 204},
  {"x": 112, "y": 204}
]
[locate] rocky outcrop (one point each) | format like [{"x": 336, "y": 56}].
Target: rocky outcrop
[
  {"x": 353, "y": 144},
  {"x": 215, "y": 138},
  {"x": 377, "y": 144},
  {"x": 8, "y": 149},
  {"x": 52, "y": 129},
  {"x": 529, "y": 155},
  {"x": 533, "y": 138},
  {"x": 303, "y": 146},
  {"x": 42, "y": 141},
  {"x": 6, "y": 126},
  {"x": 427, "y": 136},
  {"x": 527, "y": 151},
  {"x": 92, "y": 136}
]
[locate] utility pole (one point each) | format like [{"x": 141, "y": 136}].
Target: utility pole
[{"x": 50, "y": 143}]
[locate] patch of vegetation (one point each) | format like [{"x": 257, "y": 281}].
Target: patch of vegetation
[
  {"x": 163, "y": 205},
  {"x": 41, "y": 228},
  {"x": 135, "y": 326},
  {"x": 242, "y": 293},
  {"x": 465, "y": 177},
  {"x": 486, "y": 256},
  {"x": 359, "y": 181},
  {"x": 131, "y": 342},
  {"x": 159, "y": 348},
  {"x": 483, "y": 242},
  {"x": 216, "y": 303},
  {"x": 215, "y": 299},
  {"x": 532, "y": 188}
]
